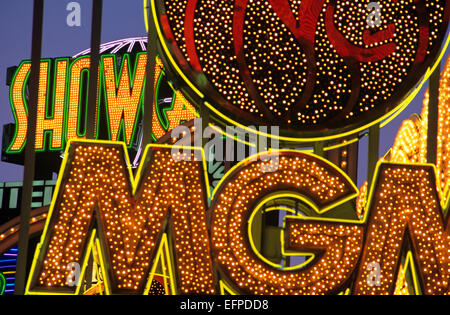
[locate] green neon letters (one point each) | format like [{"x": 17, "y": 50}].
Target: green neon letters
[{"x": 66, "y": 95}]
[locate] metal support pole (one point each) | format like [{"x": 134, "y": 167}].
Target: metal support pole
[
  {"x": 89, "y": 273},
  {"x": 318, "y": 148},
  {"x": 374, "y": 147},
  {"x": 204, "y": 114},
  {"x": 30, "y": 154},
  {"x": 433, "y": 115},
  {"x": 263, "y": 230},
  {"x": 150, "y": 79},
  {"x": 96, "y": 32}
]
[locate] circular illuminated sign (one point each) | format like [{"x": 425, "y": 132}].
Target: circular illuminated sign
[{"x": 316, "y": 68}]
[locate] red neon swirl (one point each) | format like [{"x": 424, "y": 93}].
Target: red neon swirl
[
  {"x": 347, "y": 50},
  {"x": 189, "y": 35}
]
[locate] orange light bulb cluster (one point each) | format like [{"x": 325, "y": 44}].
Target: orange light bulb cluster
[
  {"x": 338, "y": 247},
  {"x": 443, "y": 143},
  {"x": 361, "y": 201},
  {"x": 231, "y": 209},
  {"x": 97, "y": 185},
  {"x": 182, "y": 109},
  {"x": 123, "y": 96},
  {"x": 156, "y": 288},
  {"x": 52, "y": 122},
  {"x": 410, "y": 144},
  {"x": 304, "y": 64},
  {"x": 78, "y": 69},
  {"x": 18, "y": 103},
  {"x": 406, "y": 200},
  {"x": 44, "y": 123}
]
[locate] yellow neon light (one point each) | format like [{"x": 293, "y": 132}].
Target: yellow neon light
[
  {"x": 101, "y": 256},
  {"x": 345, "y": 292},
  {"x": 409, "y": 264},
  {"x": 134, "y": 183},
  {"x": 77, "y": 69},
  {"x": 343, "y": 144},
  {"x": 252, "y": 242},
  {"x": 98, "y": 268},
  {"x": 83, "y": 266},
  {"x": 225, "y": 289},
  {"x": 146, "y": 15},
  {"x": 54, "y": 124},
  {"x": 371, "y": 199},
  {"x": 18, "y": 105},
  {"x": 161, "y": 255},
  {"x": 123, "y": 95}
]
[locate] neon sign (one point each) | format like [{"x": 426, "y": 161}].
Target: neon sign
[
  {"x": 164, "y": 222},
  {"x": 8, "y": 262},
  {"x": 2, "y": 283},
  {"x": 317, "y": 69},
  {"x": 169, "y": 200},
  {"x": 63, "y": 99}
]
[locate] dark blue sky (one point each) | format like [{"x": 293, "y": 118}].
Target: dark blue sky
[{"x": 121, "y": 19}]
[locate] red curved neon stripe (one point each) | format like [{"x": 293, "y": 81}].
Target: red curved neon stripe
[{"x": 347, "y": 50}]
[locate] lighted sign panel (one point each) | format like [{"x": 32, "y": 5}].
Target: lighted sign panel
[
  {"x": 410, "y": 144},
  {"x": 61, "y": 112},
  {"x": 78, "y": 68},
  {"x": 210, "y": 255},
  {"x": 313, "y": 67},
  {"x": 130, "y": 231},
  {"x": 405, "y": 202},
  {"x": 316, "y": 183},
  {"x": 123, "y": 94},
  {"x": 8, "y": 271}
]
